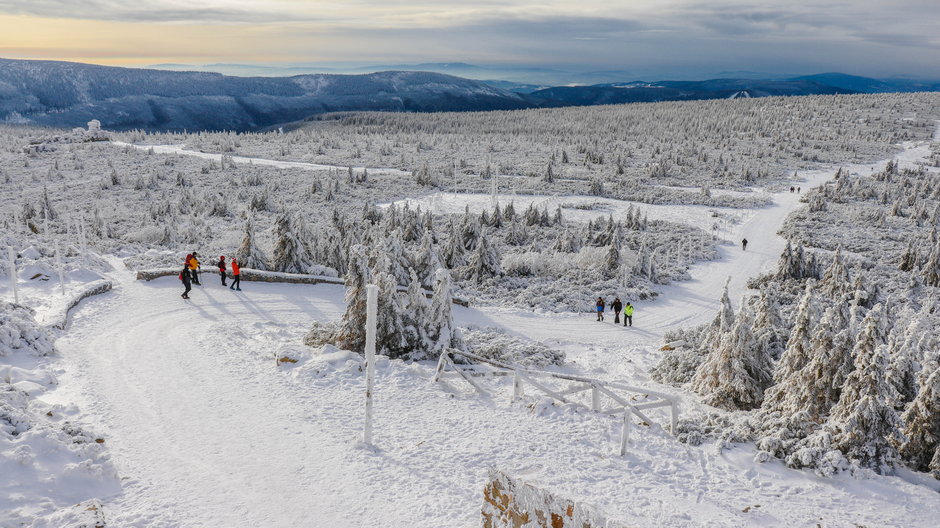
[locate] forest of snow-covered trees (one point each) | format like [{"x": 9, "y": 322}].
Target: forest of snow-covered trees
[
  {"x": 834, "y": 362},
  {"x": 624, "y": 151}
]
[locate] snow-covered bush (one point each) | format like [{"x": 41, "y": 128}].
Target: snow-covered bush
[
  {"x": 20, "y": 333},
  {"x": 496, "y": 344}
]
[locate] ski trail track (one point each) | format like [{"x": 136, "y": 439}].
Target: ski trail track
[{"x": 206, "y": 431}]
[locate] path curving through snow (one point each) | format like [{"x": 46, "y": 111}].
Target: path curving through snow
[
  {"x": 279, "y": 164},
  {"x": 612, "y": 351}
]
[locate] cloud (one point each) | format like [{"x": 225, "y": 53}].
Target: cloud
[
  {"x": 150, "y": 11},
  {"x": 797, "y": 36}
]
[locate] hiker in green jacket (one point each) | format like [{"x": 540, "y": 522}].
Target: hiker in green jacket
[{"x": 628, "y": 315}]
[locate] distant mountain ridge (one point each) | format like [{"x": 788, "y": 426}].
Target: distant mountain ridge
[
  {"x": 67, "y": 94},
  {"x": 646, "y": 92},
  {"x": 869, "y": 85},
  {"x": 70, "y": 94}
]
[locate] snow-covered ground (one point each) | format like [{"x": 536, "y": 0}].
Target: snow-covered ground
[
  {"x": 206, "y": 429},
  {"x": 183, "y": 150}
]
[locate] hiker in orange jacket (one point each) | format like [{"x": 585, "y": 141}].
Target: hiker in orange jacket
[
  {"x": 194, "y": 266},
  {"x": 236, "y": 276}
]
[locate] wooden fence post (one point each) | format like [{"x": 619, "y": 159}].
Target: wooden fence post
[{"x": 372, "y": 292}]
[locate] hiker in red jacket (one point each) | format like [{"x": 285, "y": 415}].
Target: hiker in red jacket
[
  {"x": 221, "y": 265},
  {"x": 236, "y": 276}
]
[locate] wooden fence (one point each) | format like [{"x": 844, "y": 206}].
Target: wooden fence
[{"x": 602, "y": 397}]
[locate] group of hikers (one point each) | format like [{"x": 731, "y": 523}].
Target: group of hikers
[
  {"x": 627, "y": 309},
  {"x": 618, "y": 307},
  {"x": 190, "y": 273}
]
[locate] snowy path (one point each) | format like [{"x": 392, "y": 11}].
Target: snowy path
[
  {"x": 614, "y": 352},
  {"x": 181, "y": 149},
  {"x": 207, "y": 431}
]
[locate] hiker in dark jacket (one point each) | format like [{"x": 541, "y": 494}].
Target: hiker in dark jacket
[
  {"x": 600, "y": 308},
  {"x": 616, "y": 307},
  {"x": 221, "y": 265},
  {"x": 187, "y": 281},
  {"x": 743, "y": 244}
]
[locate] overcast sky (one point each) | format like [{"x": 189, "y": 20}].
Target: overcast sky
[{"x": 865, "y": 37}]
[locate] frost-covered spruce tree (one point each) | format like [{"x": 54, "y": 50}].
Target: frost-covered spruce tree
[
  {"x": 768, "y": 327},
  {"x": 817, "y": 387},
  {"x": 290, "y": 253},
  {"x": 442, "y": 331},
  {"x": 516, "y": 235},
  {"x": 612, "y": 262},
  {"x": 931, "y": 271},
  {"x": 864, "y": 424},
  {"x": 427, "y": 261},
  {"x": 393, "y": 247},
  {"x": 720, "y": 325},
  {"x": 793, "y": 264},
  {"x": 642, "y": 262},
  {"x": 454, "y": 251},
  {"x": 908, "y": 347},
  {"x": 471, "y": 229},
  {"x": 509, "y": 213},
  {"x": 921, "y": 448},
  {"x": 485, "y": 261},
  {"x": 249, "y": 254},
  {"x": 909, "y": 259},
  {"x": 561, "y": 244},
  {"x": 415, "y": 317},
  {"x": 496, "y": 220},
  {"x": 797, "y": 353},
  {"x": 735, "y": 374},
  {"x": 392, "y": 321},
  {"x": 352, "y": 328},
  {"x": 836, "y": 280},
  {"x": 48, "y": 213}
]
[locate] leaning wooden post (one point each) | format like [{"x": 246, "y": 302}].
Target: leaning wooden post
[
  {"x": 372, "y": 294},
  {"x": 58, "y": 264},
  {"x": 16, "y": 291},
  {"x": 517, "y": 391},
  {"x": 625, "y": 434},
  {"x": 674, "y": 418},
  {"x": 84, "y": 241}
]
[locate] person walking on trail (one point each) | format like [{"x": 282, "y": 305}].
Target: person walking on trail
[
  {"x": 194, "y": 268},
  {"x": 628, "y": 315},
  {"x": 616, "y": 306},
  {"x": 221, "y": 265},
  {"x": 187, "y": 281},
  {"x": 600, "y": 308},
  {"x": 744, "y": 244},
  {"x": 236, "y": 276}
]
